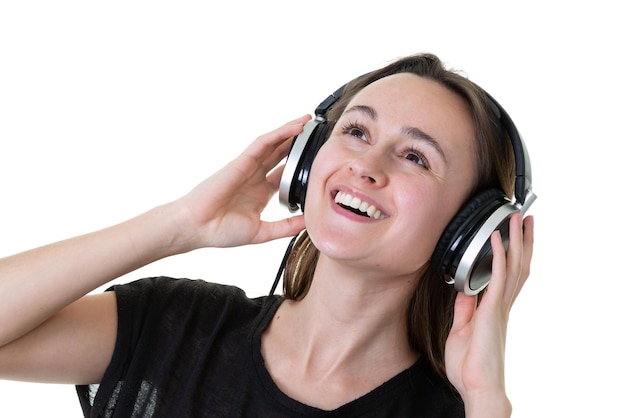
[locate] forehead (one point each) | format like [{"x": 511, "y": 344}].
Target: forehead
[{"x": 411, "y": 100}]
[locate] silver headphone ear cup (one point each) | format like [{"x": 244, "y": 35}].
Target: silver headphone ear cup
[
  {"x": 473, "y": 272},
  {"x": 289, "y": 187},
  {"x": 295, "y": 177},
  {"x": 461, "y": 255}
]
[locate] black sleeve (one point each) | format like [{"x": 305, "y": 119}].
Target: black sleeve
[{"x": 164, "y": 330}]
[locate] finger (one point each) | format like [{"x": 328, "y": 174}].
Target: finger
[
  {"x": 464, "y": 308},
  {"x": 529, "y": 241},
  {"x": 274, "y": 176},
  {"x": 300, "y": 120},
  {"x": 527, "y": 236},
  {"x": 498, "y": 270},
  {"x": 282, "y": 149},
  {"x": 514, "y": 257},
  {"x": 279, "y": 153},
  {"x": 265, "y": 145}
]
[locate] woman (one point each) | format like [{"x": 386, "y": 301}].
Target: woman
[{"x": 366, "y": 327}]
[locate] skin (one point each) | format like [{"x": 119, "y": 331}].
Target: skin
[{"x": 325, "y": 339}]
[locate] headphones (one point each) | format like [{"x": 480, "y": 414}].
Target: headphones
[{"x": 463, "y": 255}]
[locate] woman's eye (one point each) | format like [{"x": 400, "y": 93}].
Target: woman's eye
[
  {"x": 356, "y": 131},
  {"x": 416, "y": 157}
]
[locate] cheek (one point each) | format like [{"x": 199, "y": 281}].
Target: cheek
[{"x": 428, "y": 212}]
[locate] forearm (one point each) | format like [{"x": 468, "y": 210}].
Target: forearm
[
  {"x": 37, "y": 283},
  {"x": 222, "y": 211}
]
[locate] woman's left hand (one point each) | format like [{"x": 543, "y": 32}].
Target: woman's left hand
[{"x": 475, "y": 347}]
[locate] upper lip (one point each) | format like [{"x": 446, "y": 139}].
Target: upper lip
[{"x": 360, "y": 203}]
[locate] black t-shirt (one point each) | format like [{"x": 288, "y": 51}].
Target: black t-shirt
[{"x": 189, "y": 348}]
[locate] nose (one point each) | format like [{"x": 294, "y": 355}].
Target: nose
[{"x": 369, "y": 168}]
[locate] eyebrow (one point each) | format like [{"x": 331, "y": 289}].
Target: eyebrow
[{"x": 410, "y": 131}]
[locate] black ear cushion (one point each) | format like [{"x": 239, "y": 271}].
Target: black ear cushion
[
  {"x": 314, "y": 143},
  {"x": 471, "y": 216}
]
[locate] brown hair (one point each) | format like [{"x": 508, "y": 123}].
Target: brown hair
[{"x": 430, "y": 311}]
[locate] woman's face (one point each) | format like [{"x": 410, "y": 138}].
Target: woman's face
[{"x": 396, "y": 168}]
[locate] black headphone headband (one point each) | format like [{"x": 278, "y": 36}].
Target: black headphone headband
[
  {"x": 463, "y": 254},
  {"x": 523, "y": 172}
]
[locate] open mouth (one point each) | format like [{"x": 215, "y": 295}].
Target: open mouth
[{"x": 358, "y": 206}]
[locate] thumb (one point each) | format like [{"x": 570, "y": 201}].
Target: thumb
[{"x": 281, "y": 229}]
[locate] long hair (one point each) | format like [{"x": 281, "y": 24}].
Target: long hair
[{"x": 431, "y": 308}]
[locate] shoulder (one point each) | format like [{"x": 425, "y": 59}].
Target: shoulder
[
  {"x": 173, "y": 303},
  {"x": 177, "y": 286},
  {"x": 167, "y": 292}
]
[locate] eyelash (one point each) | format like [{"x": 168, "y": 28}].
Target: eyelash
[
  {"x": 417, "y": 153},
  {"x": 348, "y": 128}
]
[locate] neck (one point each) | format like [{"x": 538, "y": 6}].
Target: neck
[
  {"x": 350, "y": 316},
  {"x": 345, "y": 338}
]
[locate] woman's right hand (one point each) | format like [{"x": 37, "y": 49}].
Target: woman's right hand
[{"x": 225, "y": 209}]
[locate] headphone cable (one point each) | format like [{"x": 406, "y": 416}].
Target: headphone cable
[{"x": 282, "y": 264}]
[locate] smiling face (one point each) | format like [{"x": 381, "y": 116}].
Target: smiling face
[{"x": 398, "y": 165}]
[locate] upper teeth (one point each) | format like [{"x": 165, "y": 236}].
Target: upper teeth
[{"x": 347, "y": 199}]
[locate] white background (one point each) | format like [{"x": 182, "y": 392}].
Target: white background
[{"x": 110, "y": 108}]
